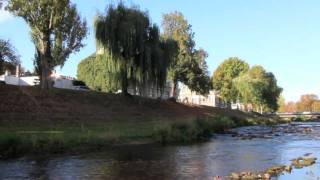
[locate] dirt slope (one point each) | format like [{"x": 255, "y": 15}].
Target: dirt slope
[{"x": 25, "y": 103}]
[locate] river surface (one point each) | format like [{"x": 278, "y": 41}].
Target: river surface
[{"x": 245, "y": 149}]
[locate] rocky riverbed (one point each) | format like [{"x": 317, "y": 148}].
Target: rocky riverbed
[
  {"x": 274, "y": 171},
  {"x": 267, "y": 132}
]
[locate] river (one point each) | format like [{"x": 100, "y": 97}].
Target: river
[{"x": 251, "y": 149}]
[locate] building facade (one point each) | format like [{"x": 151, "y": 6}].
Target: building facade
[
  {"x": 185, "y": 95},
  {"x": 19, "y": 79}
]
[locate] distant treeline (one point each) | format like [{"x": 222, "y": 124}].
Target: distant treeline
[{"x": 307, "y": 103}]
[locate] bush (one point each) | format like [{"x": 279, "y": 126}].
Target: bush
[
  {"x": 218, "y": 124},
  {"x": 177, "y": 132},
  {"x": 199, "y": 129},
  {"x": 301, "y": 118},
  {"x": 172, "y": 99},
  {"x": 11, "y": 146}
]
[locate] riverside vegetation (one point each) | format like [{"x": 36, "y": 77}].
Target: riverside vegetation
[{"x": 71, "y": 121}]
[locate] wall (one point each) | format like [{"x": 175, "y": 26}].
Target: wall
[
  {"x": 63, "y": 83},
  {"x": 32, "y": 80},
  {"x": 22, "y": 81}
]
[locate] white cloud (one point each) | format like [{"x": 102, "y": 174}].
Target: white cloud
[{"x": 4, "y": 16}]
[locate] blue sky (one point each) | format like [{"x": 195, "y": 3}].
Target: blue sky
[{"x": 283, "y": 36}]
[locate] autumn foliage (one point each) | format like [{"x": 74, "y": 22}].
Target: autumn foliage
[{"x": 307, "y": 103}]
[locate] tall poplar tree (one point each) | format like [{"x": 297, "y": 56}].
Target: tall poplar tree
[
  {"x": 56, "y": 28},
  {"x": 189, "y": 67}
]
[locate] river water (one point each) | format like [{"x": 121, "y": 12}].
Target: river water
[{"x": 248, "y": 149}]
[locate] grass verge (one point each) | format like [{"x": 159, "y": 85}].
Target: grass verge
[{"x": 19, "y": 137}]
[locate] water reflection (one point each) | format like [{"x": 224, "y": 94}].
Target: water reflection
[{"x": 224, "y": 154}]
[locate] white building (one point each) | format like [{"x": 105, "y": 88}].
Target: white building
[
  {"x": 59, "y": 81},
  {"x": 62, "y": 82},
  {"x": 185, "y": 95},
  {"x": 19, "y": 80}
]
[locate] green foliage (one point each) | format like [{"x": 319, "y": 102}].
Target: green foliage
[
  {"x": 301, "y": 118},
  {"x": 259, "y": 88},
  {"x": 37, "y": 63},
  {"x": 10, "y": 145},
  {"x": 94, "y": 72},
  {"x": 178, "y": 132},
  {"x": 224, "y": 75},
  {"x": 190, "y": 65},
  {"x": 281, "y": 104},
  {"x": 217, "y": 124},
  {"x": 56, "y": 28},
  {"x": 138, "y": 56},
  {"x": 8, "y": 56},
  {"x": 199, "y": 129},
  {"x": 195, "y": 73},
  {"x": 21, "y": 137}
]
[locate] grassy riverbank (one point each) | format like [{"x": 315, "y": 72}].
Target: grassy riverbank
[{"x": 71, "y": 121}]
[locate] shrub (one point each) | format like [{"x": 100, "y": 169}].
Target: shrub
[
  {"x": 11, "y": 146},
  {"x": 199, "y": 129},
  {"x": 177, "y": 132}
]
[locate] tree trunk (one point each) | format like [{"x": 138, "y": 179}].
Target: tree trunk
[
  {"x": 2, "y": 70},
  {"x": 261, "y": 109},
  {"x": 174, "y": 89},
  {"x": 245, "y": 108},
  {"x": 45, "y": 77},
  {"x": 45, "y": 58},
  {"x": 228, "y": 103},
  {"x": 124, "y": 84}
]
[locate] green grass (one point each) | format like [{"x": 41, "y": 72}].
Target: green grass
[
  {"x": 195, "y": 130},
  {"x": 203, "y": 128},
  {"x": 23, "y": 137},
  {"x": 17, "y": 138}
]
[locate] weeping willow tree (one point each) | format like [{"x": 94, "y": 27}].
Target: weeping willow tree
[
  {"x": 138, "y": 55},
  {"x": 94, "y": 72}
]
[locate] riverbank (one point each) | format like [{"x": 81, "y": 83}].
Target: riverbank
[
  {"x": 73, "y": 121},
  {"x": 218, "y": 157}
]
